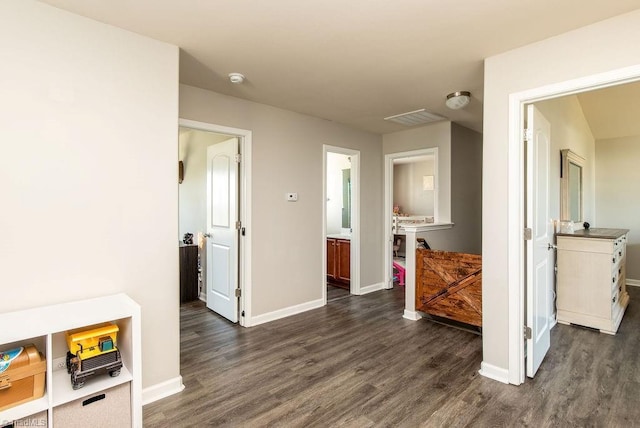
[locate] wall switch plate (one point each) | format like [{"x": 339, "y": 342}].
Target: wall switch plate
[{"x": 292, "y": 197}]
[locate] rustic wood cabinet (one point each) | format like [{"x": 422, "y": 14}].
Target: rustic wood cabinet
[
  {"x": 339, "y": 262},
  {"x": 592, "y": 288}
]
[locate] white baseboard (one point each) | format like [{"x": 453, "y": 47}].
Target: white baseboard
[
  {"x": 286, "y": 312},
  {"x": 633, "y": 282},
  {"x": 493, "y": 372},
  {"x": 371, "y": 288},
  {"x": 411, "y": 315},
  {"x": 162, "y": 390}
]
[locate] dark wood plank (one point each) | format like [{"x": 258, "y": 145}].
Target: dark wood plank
[{"x": 357, "y": 362}]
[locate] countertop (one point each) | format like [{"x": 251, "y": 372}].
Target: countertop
[
  {"x": 339, "y": 236},
  {"x": 597, "y": 233}
]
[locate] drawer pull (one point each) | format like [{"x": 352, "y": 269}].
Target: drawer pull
[
  {"x": 93, "y": 399},
  {"x": 620, "y": 271},
  {"x": 613, "y": 260},
  {"x": 614, "y": 299},
  {"x": 620, "y": 289},
  {"x": 613, "y": 280}
]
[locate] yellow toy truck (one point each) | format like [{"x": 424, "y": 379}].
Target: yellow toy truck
[{"x": 92, "y": 351}]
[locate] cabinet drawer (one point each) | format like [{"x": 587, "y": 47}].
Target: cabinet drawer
[
  {"x": 109, "y": 408},
  {"x": 605, "y": 246}
]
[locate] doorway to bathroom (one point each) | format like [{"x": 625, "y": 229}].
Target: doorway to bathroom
[{"x": 341, "y": 232}]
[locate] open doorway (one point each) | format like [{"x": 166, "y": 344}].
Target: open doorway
[
  {"x": 411, "y": 196},
  {"x": 576, "y": 111},
  {"x": 214, "y": 167},
  {"x": 341, "y": 231}
]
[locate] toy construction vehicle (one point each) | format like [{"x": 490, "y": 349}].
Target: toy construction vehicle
[{"x": 92, "y": 352}]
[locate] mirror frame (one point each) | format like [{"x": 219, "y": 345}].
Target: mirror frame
[{"x": 568, "y": 157}]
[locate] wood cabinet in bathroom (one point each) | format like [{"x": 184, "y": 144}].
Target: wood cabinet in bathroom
[{"x": 339, "y": 262}]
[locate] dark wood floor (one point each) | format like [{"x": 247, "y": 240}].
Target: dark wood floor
[
  {"x": 357, "y": 363},
  {"x": 336, "y": 293}
]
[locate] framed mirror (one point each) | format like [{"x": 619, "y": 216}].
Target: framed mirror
[{"x": 571, "y": 186}]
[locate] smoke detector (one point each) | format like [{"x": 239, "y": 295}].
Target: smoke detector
[{"x": 236, "y": 78}]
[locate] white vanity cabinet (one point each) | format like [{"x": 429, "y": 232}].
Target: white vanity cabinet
[{"x": 591, "y": 283}]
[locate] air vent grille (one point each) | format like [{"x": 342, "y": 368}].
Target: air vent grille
[{"x": 417, "y": 117}]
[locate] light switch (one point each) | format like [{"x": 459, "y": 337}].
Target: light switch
[{"x": 292, "y": 197}]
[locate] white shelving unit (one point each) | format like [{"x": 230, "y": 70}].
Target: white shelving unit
[{"x": 45, "y": 327}]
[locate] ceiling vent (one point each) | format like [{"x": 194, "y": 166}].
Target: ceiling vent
[{"x": 413, "y": 118}]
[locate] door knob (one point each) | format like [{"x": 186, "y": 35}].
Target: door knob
[
  {"x": 552, "y": 247},
  {"x": 208, "y": 235}
]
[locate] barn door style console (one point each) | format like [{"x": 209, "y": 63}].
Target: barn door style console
[
  {"x": 592, "y": 288},
  {"x": 105, "y": 399}
]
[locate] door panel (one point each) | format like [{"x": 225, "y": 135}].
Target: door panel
[
  {"x": 222, "y": 239},
  {"x": 540, "y": 257}
]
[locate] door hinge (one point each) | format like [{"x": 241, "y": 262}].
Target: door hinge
[
  {"x": 527, "y": 332},
  {"x": 238, "y": 225},
  {"x": 238, "y": 157},
  {"x": 528, "y": 135},
  {"x": 527, "y": 234},
  {"x": 242, "y": 313},
  {"x": 238, "y": 292}
]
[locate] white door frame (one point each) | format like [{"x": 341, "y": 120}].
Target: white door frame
[
  {"x": 244, "y": 273},
  {"x": 516, "y": 194},
  {"x": 354, "y": 287},
  {"x": 388, "y": 204}
]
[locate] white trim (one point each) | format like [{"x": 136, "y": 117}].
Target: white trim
[
  {"x": 417, "y": 228},
  {"x": 286, "y": 312},
  {"x": 493, "y": 372},
  {"x": 411, "y": 315},
  {"x": 354, "y": 287},
  {"x": 388, "y": 205},
  {"x": 162, "y": 390},
  {"x": 244, "y": 274},
  {"x": 515, "y": 197},
  {"x": 633, "y": 282},
  {"x": 371, "y": 288}
]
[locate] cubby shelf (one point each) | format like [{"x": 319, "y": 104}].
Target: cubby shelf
[{"x": 45, "y": 327}]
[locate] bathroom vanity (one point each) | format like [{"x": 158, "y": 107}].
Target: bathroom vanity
[
  {"x": 339, "y": 260},
  {"x": 591, "y": 276}
]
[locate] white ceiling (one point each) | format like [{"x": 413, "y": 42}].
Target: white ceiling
[
  {"x": 612, "y": 112},
  {"x": 355, "y": 61}
]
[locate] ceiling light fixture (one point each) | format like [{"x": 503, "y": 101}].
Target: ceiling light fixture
[
  {"x": 458, "y": 100},
  {"x": 236, "y": 78}
]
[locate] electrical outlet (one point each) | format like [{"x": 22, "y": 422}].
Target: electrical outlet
[{"x": 292, "y": 197}]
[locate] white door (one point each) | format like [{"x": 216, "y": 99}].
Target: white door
[
  {"x": 540, "y": 255},
  {"x": 222, "y": 234}
]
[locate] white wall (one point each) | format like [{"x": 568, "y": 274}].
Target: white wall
[
  {"x": 88, "y": 170},
  {"x": 408, "y": 191},
  {"x": 288, "y": 157},
  {"x": 459, "y": 177},
  {"x": 617, "y": 190},
  {"x": 335, "y": 164},
  {"x": 193, "y": 189},
  {"x": 598, "y": 48},
  {"x": 570, "y": 130},
  {"x": 433, "y": 135}
]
